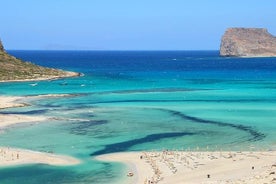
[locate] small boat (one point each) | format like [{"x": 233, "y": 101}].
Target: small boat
[
  {"x": 34, "y": 84},
  {"x": 63, "y": 84}
]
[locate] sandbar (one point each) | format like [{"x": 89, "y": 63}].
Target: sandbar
[
  {"x": 10, "y": 101},
  {"x": 11, "y": 119},
  {"x": 15, "y": 156}
]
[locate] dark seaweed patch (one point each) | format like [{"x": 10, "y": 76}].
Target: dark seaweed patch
[
  {"x": 41, "y": 111},
  {"x": 123, "y": 146},
  {"x": 255, "y": 135}
]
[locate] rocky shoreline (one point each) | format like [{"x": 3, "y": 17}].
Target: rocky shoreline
[{"x": 13, "y": 69}]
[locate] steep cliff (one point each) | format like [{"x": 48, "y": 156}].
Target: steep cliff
[
  {"x": 248, "y": 42},
  {"x": 13, "y": 69}
]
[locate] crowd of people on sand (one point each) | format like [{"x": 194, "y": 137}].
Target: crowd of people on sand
[
  {"x": 7, "y": 155},
  {"x": 188, "y": 160},
  {"x": 169, "y": 158}
]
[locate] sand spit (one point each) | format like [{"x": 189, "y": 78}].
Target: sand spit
[
  {"x": 179, "y": 167},
  {"x": 9, "y": 102},
  {"x": 11, "y": 119},
  {"x": 18, "y": 101},
  {"x": 15, "y": 156}
]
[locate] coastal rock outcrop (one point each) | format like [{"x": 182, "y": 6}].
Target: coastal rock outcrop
[
  {"x": 248, "y": 42},
  {"x": 13, "y": 69},
  {"x": 1, "y": 47}
]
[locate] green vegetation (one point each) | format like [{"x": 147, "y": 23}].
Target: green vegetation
[{"x": 13, "y": 69}]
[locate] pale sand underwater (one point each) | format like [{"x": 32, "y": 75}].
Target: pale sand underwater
[
  {"x": 11, "y": 119},
  {"x": 155, "y": 167},
  {"x": 17, "y": 101},
  {"x": 14, "y": 156}
]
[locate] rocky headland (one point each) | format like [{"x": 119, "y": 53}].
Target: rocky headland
[
  {"x": 248, "y": 42},
  {"x": 14, "y": 69}
]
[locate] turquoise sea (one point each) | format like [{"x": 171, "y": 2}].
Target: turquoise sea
[{"x": 139, "y": 100}]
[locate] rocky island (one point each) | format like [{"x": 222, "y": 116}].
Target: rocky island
[
  {"x": 13, "y": 69},
  {"x": 248, "y": 42}
]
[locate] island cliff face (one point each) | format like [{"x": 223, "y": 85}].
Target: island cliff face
[
  {"x": 13, "y": 69},
  {"x": 248, "y": 42}
]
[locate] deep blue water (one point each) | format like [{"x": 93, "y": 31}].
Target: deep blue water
[{"x": 116, "y": 62}]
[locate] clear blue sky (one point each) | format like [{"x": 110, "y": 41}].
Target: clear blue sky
[{"x": 128, "y": 24}]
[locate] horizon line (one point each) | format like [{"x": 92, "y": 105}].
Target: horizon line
[{"x": 161, "y": 50}]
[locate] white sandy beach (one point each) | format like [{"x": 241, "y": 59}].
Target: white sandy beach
[
  {"x": 15, "y": 156},
  {"x": 9, "y": 101},
  {"x": 180, "y": 167},
  {"x": 11, "y": 119}
]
